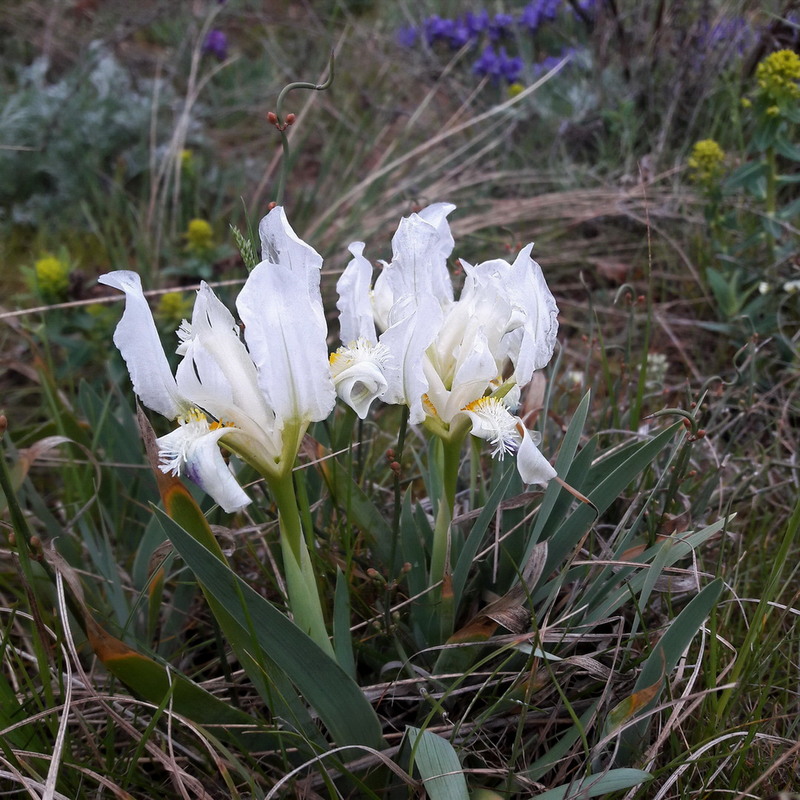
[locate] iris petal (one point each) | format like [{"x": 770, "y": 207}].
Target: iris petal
[
  {"x": 192, "y": 450},
  {"x": 137, "y": 340}
]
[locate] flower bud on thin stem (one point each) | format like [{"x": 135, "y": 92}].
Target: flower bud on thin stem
[{"x": 289, "y": 119}]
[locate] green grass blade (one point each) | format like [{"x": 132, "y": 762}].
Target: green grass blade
[
  {"x": 438, "y": 765},
  {"x": 342, "y": 640},
  {"x": 596, "y": 785},
  {"x": 604, "y": 494},
  {"x": 566, "y": 455},
  {"x": 466, "y": 558},
  {"x": 664, "y": 657}
]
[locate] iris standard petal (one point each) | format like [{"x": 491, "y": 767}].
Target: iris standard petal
[
  {"x": 419, "y": 263},
  {"x": 137, "y": 340},
  {"x": 414, "y": 325},
  {"x": 281, "y": 245},
  {"x": 286, "y": 336},
  {"x": 355, "y": 307},
  {"x": 538, "y": 324},
  {"x": 221, "y": 363}
]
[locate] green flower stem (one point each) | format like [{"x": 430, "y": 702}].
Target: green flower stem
[
  {"x": 281, "y": 124},
  {"x": 452, "y": 443},
  {"x": 398, "y": 488},
  {"x": 771, "y": 202},
  {"x": 442, "y": 597},
  {"x": 301, "y": 582},
  {"x": 772, "y": 182}
]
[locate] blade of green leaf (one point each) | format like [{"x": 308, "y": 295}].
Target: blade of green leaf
[
  {"x": 341, "y": 705},
  {"x": 342, "y": 640},
  {"x": 664, "y": 657},
  {"x": 604, "y": 494},
  {"x": 596, "y": 785},
  {"x": 566, "y": 455},
  {"x": 438, "y": 765}
]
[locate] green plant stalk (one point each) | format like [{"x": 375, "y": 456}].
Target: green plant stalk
[
  {"x": 442, "y": 598},
  {"x": 771, "y": 200},
  {"x": 398, "y": 495},
  {"x": 281, "y": 124},
  {"x": 772, "y": 182},
  {"x": 301, "y": 582},
  {"x": 451, "y": 449}
]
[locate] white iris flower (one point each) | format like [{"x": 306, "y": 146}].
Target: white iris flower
[
  {"x": 446, "y": 359},
  {"x": 255, "y": 392}
]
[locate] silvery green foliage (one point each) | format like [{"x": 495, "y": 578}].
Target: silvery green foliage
[{"x": 66, "y": 134}]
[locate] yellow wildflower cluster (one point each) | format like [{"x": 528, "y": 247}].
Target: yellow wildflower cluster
[
  {"x": 706, "y": 162},
  {"x": 173, "y": 308},
  {"x": 778, "y": 75},
  {"x": 52, "y": 277},
  {"x": 199, "y": 236}
]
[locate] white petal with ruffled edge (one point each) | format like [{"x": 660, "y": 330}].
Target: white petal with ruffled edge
[
  {"x": 413, "y": 326},
  {"x": 493, "y": 422},
  {"x": 358, "y": 374},
  {"x": 355, "y": 307},
  {"x": 286, "y": 334},
  {"x": 137, "y": 340},
  {"x": 535, "y": 339},
  {"x": 281, "y": 245},
  {"x": 192, "y": 449},
  {"x": 418, "y": 269}
]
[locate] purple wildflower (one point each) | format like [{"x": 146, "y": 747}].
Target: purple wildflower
[
  {"x": 435, "y": 29},
  {"x": 727, "y": 39},
  {"x": 477, "y": 23},
  {"x": 460, "y": 34},
  {"x": 407, "y": 36},
  {"x": 216, "y": 44},
  {"x": 498, "y": 65},
  {"x": 501, "y": 25},
  {"x": 538, "y": 12}
]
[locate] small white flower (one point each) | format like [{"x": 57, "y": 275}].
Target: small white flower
[
  {"x": 792, "y": 287},
  {"x": 763, "y": 287},
  {"x": 575, "y": 378}
]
